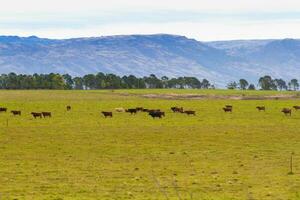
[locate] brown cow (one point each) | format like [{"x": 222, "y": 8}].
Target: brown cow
[
  {"x": 35, "y": 115},
  {"x": 107, "y": 114},
  {"x": 176, "y": 109},
  {"x": 296, "y": 108},
  {"x": 190, "y": 112},
  {"x": 16, "y": 112},
  {"x": 287, "y": 111},
  {"x": 3, "y": 109},
  {"x": 227, "y": 109},
  {"x": 46, "y": 114},
  {"x": 69, "y": 108},
  {"x": 131, "y": 111},
  {"x": 261, "y": 108}
]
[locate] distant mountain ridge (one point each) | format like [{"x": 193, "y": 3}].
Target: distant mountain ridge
[{"x": 161, "y": 54}]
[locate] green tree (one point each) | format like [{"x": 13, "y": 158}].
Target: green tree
[
  {"x": 243, "y": 84},
  {"x": 267, "y": 83},
  {"x": 294, "y": 84}
]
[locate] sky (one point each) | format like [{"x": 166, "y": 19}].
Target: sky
[{"x": 204, "y": 20}]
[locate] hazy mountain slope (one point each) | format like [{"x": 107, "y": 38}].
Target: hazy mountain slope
[{"x": 170, "y": 55}]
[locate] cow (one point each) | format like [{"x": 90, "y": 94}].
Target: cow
[
  {"x": 261, "y": 108},
  {"x": 227, "y": 109},
  {"x": 157, "y": 114},
  {"x": 287, "y": 111},
  {"x": 296, "y": 108},
  {"x": 131, "y": 111},
  {"x": 3, "y": 109},
  {"x": 16, "y": 112},
  {"x": 176, "y": 109},
  {"x": 69, "y": 108},
  {"x": 190, "y": 112},
  {"x": 107, "y": 114},
  {"x": 119, "y": 109},
  {"x": 139, "y": 109},
  {"x": 35, "y": 115},
  {"x": 46, "y": 114}
]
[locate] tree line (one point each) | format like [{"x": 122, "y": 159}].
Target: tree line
[
  {"x": 265, "y": 83},
  {"x": 97, "y": 81},
  {"x": 112, "y": 81}
]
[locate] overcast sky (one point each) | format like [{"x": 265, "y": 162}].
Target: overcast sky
[{"x": 200, "y": 19}]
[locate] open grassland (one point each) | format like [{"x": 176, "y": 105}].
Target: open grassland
[{"x": 82, "y": 155}]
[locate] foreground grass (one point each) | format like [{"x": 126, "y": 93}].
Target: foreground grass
[{"x": 81, "y": 155}]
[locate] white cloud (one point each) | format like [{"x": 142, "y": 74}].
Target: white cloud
[
  {"x": 199, "y": 5},
  {"x": 200, "y": 19}
]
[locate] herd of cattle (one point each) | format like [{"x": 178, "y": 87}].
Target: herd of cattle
[{"x": 154, "y": 113}]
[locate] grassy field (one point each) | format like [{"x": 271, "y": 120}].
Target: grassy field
[{"x": 82, "y": 155}]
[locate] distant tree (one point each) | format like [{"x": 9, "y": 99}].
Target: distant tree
[
  {"x": 267, "y": 83},
  {"x": 280, "y": 84},
  {"x": 243, "y": 84},
  {"x": 68, "y": 81},
  {"x": 294, "y": 84},
  {"x": 205, "y": 84},
  {"x": 78, "y": 83},
  {"x": 232, "y": 85},
  {"x": 251, "y": 87},
  {"x": 164, "y": 81}
]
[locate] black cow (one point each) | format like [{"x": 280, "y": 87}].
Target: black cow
[
  {"x": 131, "y": 111},
  {"x": 3, "y": 109},
  {"x": 46, "y": 114},
  {"x": 16, "y": 112},
  {"x": 35, "y": 115},
  {"x": 107, "y": 114},
  {"x": 157, "y": 114},
  {"x": 261, "y": 108}
]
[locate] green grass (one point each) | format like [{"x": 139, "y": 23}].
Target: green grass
[{"x": 82, "y": 155}]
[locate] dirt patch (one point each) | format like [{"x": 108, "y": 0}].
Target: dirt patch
[{"x": 230, "y": 97}]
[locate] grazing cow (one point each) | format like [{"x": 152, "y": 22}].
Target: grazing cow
[
  {"x": 16, "y": 112},
  {"x": 131, "y": 111},
  {"x": 261, "y": 108},
  {"x": 35, "y": 115},
  {"x": 107, "y": 114},
  {"x": 69, "y": 108},
  {"x": 190, "y": 112},
  {"x": 3, "y": 109},
  {"x": 46, "y": 114},
  {"x": 227, "y": 109},
  {"x": 296, "y": 108},
  {"x": 287, "y": 111},
  {"x": 176, "y": 109},
  {"x": 119, "y": 109},
  {"x": 157, "y": 114},
  {"x": 139, "y": 109}
]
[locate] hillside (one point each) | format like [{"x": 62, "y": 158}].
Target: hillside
[{"x": 170, "y": 55}]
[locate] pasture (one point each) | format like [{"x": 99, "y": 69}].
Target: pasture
[{"x": 80, "y": 154}]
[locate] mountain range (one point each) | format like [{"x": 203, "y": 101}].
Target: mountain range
[{"x": 220, "y": 61}]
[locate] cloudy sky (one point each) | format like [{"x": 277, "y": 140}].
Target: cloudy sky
[{"x": 200, "y": 19}]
